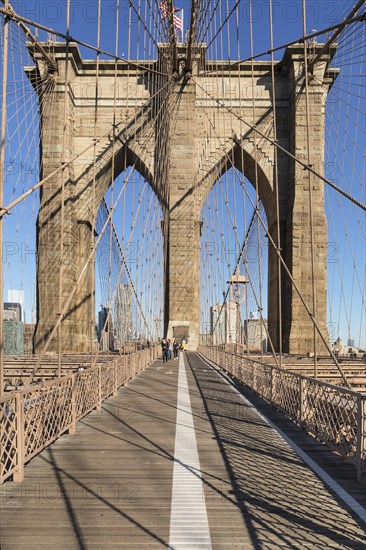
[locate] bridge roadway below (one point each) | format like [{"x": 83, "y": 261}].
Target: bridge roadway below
[{"x": 178, "y": 459}]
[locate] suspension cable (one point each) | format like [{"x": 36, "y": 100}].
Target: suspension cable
[
  {"x": 284, "y": 150},
  {"x": 278, "y": 252},
  {"x": 16, "y": 17}
]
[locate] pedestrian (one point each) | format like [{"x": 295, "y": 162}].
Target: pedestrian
[
  {"x": 169, "y": 350},
  {"x": 164, "y": 349},
  {"x": 183, "y": 344},
  {"x": 175, "y": 349}
]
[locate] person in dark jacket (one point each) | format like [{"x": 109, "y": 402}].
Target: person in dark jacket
[
  {"x": 164, "y": 349},
  {"x": 175, "y": 349}
]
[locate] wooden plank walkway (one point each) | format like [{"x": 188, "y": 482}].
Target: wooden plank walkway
[{"x": 111, "y": 486}]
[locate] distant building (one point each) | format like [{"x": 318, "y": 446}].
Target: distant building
[
  {"x": 225, "y": 323},
  {"x": 255, "y": 333},
  {"x": 105, "y": 338},
  {"x": 350, "y": 343},
  {"x": 13, "y": 337},
  {"x": 28, "y": 334},
  {"x": 341, "y": 349},
  {"x": 12, "y": 311},
  {"x": 102, "y": 318},
  {"x": 18, "y": 296},
  {"x": 18, "y": 337},
  {"x": 123, "y": 329}
]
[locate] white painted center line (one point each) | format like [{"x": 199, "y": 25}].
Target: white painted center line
[{"x": 189, "y": 529}]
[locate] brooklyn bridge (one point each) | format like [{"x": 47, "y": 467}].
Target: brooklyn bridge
[{"x": 182, "y": 321}]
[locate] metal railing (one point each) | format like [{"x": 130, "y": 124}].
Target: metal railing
[
  {"x": 335, "y": 415},
  {"x": 34, "y": 417}
]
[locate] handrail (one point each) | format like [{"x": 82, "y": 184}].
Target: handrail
[
  {"x": 333, "y": 414},
  {"x": 33, "y": 417}
]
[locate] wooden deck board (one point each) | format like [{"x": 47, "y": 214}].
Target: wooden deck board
[{"x": 110, "y": 486}]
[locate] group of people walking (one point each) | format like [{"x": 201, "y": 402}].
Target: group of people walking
[{"x": 166, "y": 348}]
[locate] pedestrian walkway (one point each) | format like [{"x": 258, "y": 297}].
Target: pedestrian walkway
[{"x": 176, "y": 460}]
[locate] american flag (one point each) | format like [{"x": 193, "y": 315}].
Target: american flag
[
  {"x": 177, "y": 15},
  {"x": 178, "y": 18},
  {"x": 164, "y": 9}
]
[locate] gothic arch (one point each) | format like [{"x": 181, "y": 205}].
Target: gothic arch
[{"x": 245, "y": 161}]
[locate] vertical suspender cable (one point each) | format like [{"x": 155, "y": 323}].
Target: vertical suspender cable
[
  {"x": 2, "y": 176},
  {"x": 312, "y": 251},
  {"x": 256, "y": 175},
  {"x": 276, "y": 186},
  {"x": 63, "y": 175},
  {"x": 93, "y": 213},
  {"x": 242, "y": 181},
  {"x": 113, "y": 164},
  {"x": 192, "y": 34}
]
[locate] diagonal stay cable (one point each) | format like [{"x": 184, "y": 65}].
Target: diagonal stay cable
[
  {"x": 239, "y": 141},
  {"x": 332, "y": 39},
  {"x": 123, "y": 267},
  {"x": 224, "y": 23},
  {"x": 291, "y": 43},
  {"x": 6, "y": 209},
  {"x": 62, "y": 314},
  {"x": 289, "y": 274},
  {"x": 18, "y": 18}
]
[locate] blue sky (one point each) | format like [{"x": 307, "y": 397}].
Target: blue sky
[{"x": 287, "y": 18}]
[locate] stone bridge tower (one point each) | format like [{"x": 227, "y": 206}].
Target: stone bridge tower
[{"x": 194, "y": 160}]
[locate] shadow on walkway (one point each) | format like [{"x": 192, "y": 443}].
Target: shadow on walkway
[{"x": 283, "y": 502}]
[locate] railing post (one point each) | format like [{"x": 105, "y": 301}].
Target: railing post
[
  {"x": 271, "y": 390},
  {"x": 122, "y": 367},
  {"x": 302, "y": 401},
  {"x": 133, "y": 365},
  {"x": 115, "y": 367},
  {"x": 131, "y": 359},
  {"x": 127, "y": 362},
  {"x": 72, "y": 428},
  {"x": 99, "y": 403},
  {"x": 18, "y": 475},
  {"x": 361, "y": 436}
]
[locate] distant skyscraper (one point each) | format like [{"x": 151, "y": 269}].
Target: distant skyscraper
[
  {"x": 105, "y": 322},
  {"x": 255, "y": 333},
  {"x": 13, "y": 338},
  {"x": 225, "y": 325},
  {"x": 18, "y": 296},
  {"x": 123, "y": 328},
  {"x": 12, "y": 311}
]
